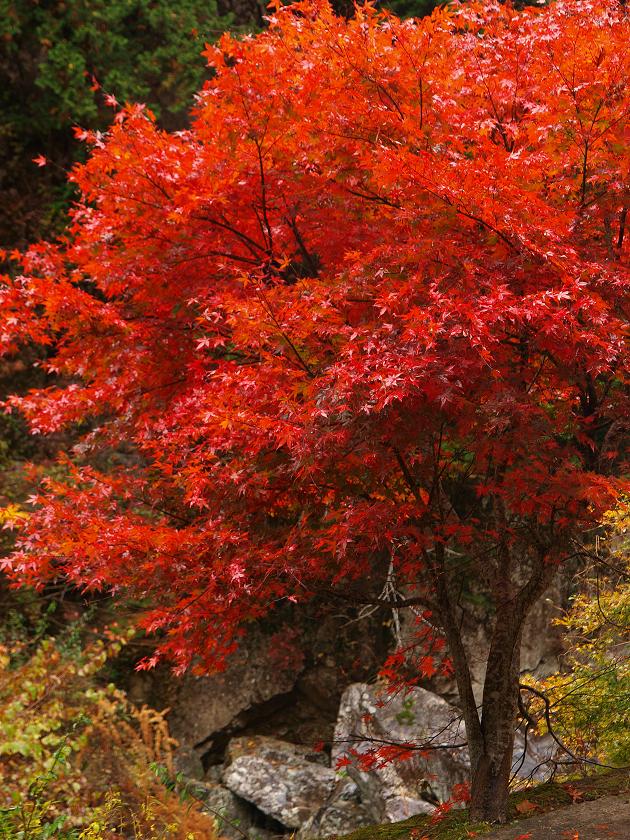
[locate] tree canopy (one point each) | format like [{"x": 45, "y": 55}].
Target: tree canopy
[
  {"x": 58, "y": 62},
  {"x": 367, "y": 313}
]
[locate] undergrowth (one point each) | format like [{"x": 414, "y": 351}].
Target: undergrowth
[{"x": 78, "y": 761}]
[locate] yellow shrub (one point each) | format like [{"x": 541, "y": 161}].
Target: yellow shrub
[
  {"x": 588, "y": 702},
  {"x": 78, "y": 756}
]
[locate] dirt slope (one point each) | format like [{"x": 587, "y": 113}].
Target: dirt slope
[{"x": 607, "y": 818}]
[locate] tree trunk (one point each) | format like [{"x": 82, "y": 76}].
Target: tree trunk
[
  {"x": 490, "y": 735},
  {"x": 490, "y": 785},
  {"x": 490, "y": 774}
]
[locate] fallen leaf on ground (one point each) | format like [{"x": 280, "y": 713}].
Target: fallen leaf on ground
[
  {"x": 575, "y": 794},
  {"x": 526, "y": 806}
]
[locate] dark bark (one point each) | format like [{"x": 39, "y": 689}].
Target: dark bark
[
  {"x": 447, "y": 616},
  {"x": 490, "y": 775},
  {"x": 490, "y": 735},
  {"x": 490, "y": 788}
]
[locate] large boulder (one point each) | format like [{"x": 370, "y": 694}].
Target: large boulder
[
  {"x": 343, "y": 811},
  {"x": 284, "y": 781},
  {"x": 533, "y": 756},
  {"x": 400, "y": 789},
  {"x": 205, "y": 706}
]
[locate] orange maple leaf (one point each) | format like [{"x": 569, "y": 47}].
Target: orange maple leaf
[{"x": 526, "y": 806}]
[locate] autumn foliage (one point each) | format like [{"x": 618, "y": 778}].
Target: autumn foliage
[
  {"x": 76, "y": 754},
  {"x": 368, "y": 310}
]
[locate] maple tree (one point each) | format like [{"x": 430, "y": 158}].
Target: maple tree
[{"x": 366, "y": 317}]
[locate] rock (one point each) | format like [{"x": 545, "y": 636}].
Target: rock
[
  {"x": 402, "y": 789},
  {"x": 286, "y": 782},
  {"x": 386, "y": 797},
  {"x": 235, "y": 818},
  {"x": 188, "y": 763},
  {"x": 273, "y": 748},
  {"x": 232, "y": 816},
  {"x": 285, "y": 684},
  {"x": 341, "y": 813},
  {"x": 542, "y": 643},
  {"x": 323, "y": 685},
  {"x": 541, "y": 640},
  {"x": 214, "y": 774},
  {"x": 532, "y": 756},
  {"x": 370, "y": 792},
  {"x": 203, "y": 706}
]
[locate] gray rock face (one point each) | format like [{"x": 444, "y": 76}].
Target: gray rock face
[
  {"x": 531, "y": 756},
  {"x": 541, "y": 642},
  {"x": 401, "y": 789},
  {"x": 264, "y": 777},
  {"x": 232, "y": 816},
  {"x": 188, "y": 762},
  {"x": 276, "y": 750},
  {"x": 282, "y": 780},
  {"x": 342, "y": 813},
  {"x": 204, "y": 706}
]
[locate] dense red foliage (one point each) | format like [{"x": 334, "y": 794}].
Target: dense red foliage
[{"x": 382, "y": 269}]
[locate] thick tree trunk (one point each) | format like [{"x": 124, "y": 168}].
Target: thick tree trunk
[
  {"x": 490, "y": 785},
  {"x": 490, "y": 774},
  {"x": 490, "y": 735}
]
